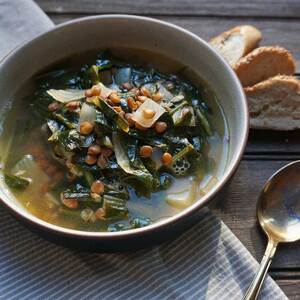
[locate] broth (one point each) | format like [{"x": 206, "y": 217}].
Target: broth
[{"x": 25, "y": 134}]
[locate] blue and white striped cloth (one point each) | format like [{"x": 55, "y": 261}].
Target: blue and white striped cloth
[{"x": 207, "y": 262}]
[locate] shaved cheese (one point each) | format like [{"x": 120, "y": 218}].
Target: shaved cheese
[
  {"x": 105, "y": 91},
  {"x": 87, "y": 114},
  {"x": 183, "y": 194},
  {"x": 177, "y": 98},
  {"x": 208, "y": 184},
  {"x": 139, "y": 117},
  {"x": 167, "y": 96},
  {"x": 65, "y": 96}
]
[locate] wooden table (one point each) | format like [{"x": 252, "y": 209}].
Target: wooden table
[{"x": 266, "y": 150}]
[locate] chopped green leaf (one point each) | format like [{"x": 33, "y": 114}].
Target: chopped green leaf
[
  {"x": 114, "y": 207},
  {"x": 69, "y": 139},
  {"x": 139, "y": 171},
  {"x": 64, "y": 120},
  {"x": 203, "y": 121},
  {"x": 110, "y": 113},
  {"x": 17, "y": 183}
]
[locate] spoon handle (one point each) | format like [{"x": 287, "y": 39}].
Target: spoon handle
[{"x": 258, "y": 280}]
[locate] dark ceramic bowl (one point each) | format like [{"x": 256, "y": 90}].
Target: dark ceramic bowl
[{"x": 135, "y": 32}]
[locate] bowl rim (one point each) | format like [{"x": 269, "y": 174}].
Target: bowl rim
[{"x": 231, "y": 168}]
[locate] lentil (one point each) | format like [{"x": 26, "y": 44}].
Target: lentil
[
  {"x": 86, "y": 128},
  {"x": 167, "y": 159},
  {"x": 145, "y": 92},
  {"x": 160, "y": 127},
  {"x": 54, "y": 106},
  {"x": 100, "y": 213},
  {"x": 94, "y": 150},
  {"x": 157, "y": 97},
  {"x": 131, "y": 103},
  {"x": 88, "y": 93},
  {"x": 129, "y": 118},
  {"x": 91, "y": 159},
  {"x": 115, "y": 99},
  {"x": 146, "y": 151},
  {"x": 97, "y": 187},
  {"x": 70, "y": 203},
  {"x": 96, "y": 90}
]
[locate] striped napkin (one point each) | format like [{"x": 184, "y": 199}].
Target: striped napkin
[{"x": 206, "y": 262}]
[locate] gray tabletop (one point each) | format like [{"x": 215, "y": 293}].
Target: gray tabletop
[{"x": 266, "y": 151}]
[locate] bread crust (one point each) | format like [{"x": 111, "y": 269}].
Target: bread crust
[
  {"x": 263, "y": 63},
  {"x": 236, "y": 42},
  {"x": 275, "y": 103}
]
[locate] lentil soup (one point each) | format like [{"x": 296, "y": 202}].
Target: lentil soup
[{"x": 113, "y": 143}]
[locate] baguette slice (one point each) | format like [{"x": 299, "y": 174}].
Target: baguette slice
[
  {"x": 236, "y": 42},
  {"x": 275, "y": 103},
  {"x": 263, "y": 63}
]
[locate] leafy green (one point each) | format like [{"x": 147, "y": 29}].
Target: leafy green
[
  {"x": 53, "y": 125},
  {"x": 101, "y": 120},
  {"x": 203, "y": 121},
  {"x": 17, "y": 183},
  {"x": 89, "y": 178},
  {"x": 137, "y": 222},
  {"x": 187, "y": 149},
  {"x": 114, "y": 207},
  {"x": 176, "y": 142},
  {"x": 140, "y": 222},
  {"x": 94, "y": 71},
  {"x": 79, "y": 192},
  {"x": 149, "y": 137},
  {"x": 185, "y": 114},
  {"x": 110, "y": 113},
  {"x": 106, "y": 141},
  {"x": 180, "y": 116},
  {"x": 27, "y": 167},
  {"x": 165, "y": 181},
  {"x": 132, "y": 152},
  {"x": 122, "y": 195},
  {"x": 178, "y": 107},
  {"x": 67, "y": 212},
  {"x": 137, "y": 170},
  {"x": 94, "y": 74},
  {"x": 197, "y": 143},
  {"x": 62, "y": 119},
  {"x": 59, "y": 79},
  {"x": 69, "y": 139}
]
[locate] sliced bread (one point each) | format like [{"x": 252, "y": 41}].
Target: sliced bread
[
  {"x": 236, "y": 42},
  {"x": 263, "y": 63},
  {"x": 275, "y": 103}
]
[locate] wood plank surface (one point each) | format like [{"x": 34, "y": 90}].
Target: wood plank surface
[
  {"x": 275, "y": 32},
  {"x": 291, "y": 288},
  {"x": 236, "y": 206},
  {"x": 267, "y": 142},
  {"x": 267, "y": 8}
]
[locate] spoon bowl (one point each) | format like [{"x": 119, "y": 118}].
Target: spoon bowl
[
  {"x": 278, "y": 212},
  {"x": 278, "y": 207}
]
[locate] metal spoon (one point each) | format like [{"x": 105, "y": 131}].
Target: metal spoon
[{"x": 278, "y": 211}]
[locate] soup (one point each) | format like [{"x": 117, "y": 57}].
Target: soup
[{"x": 110, "y": 144}]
